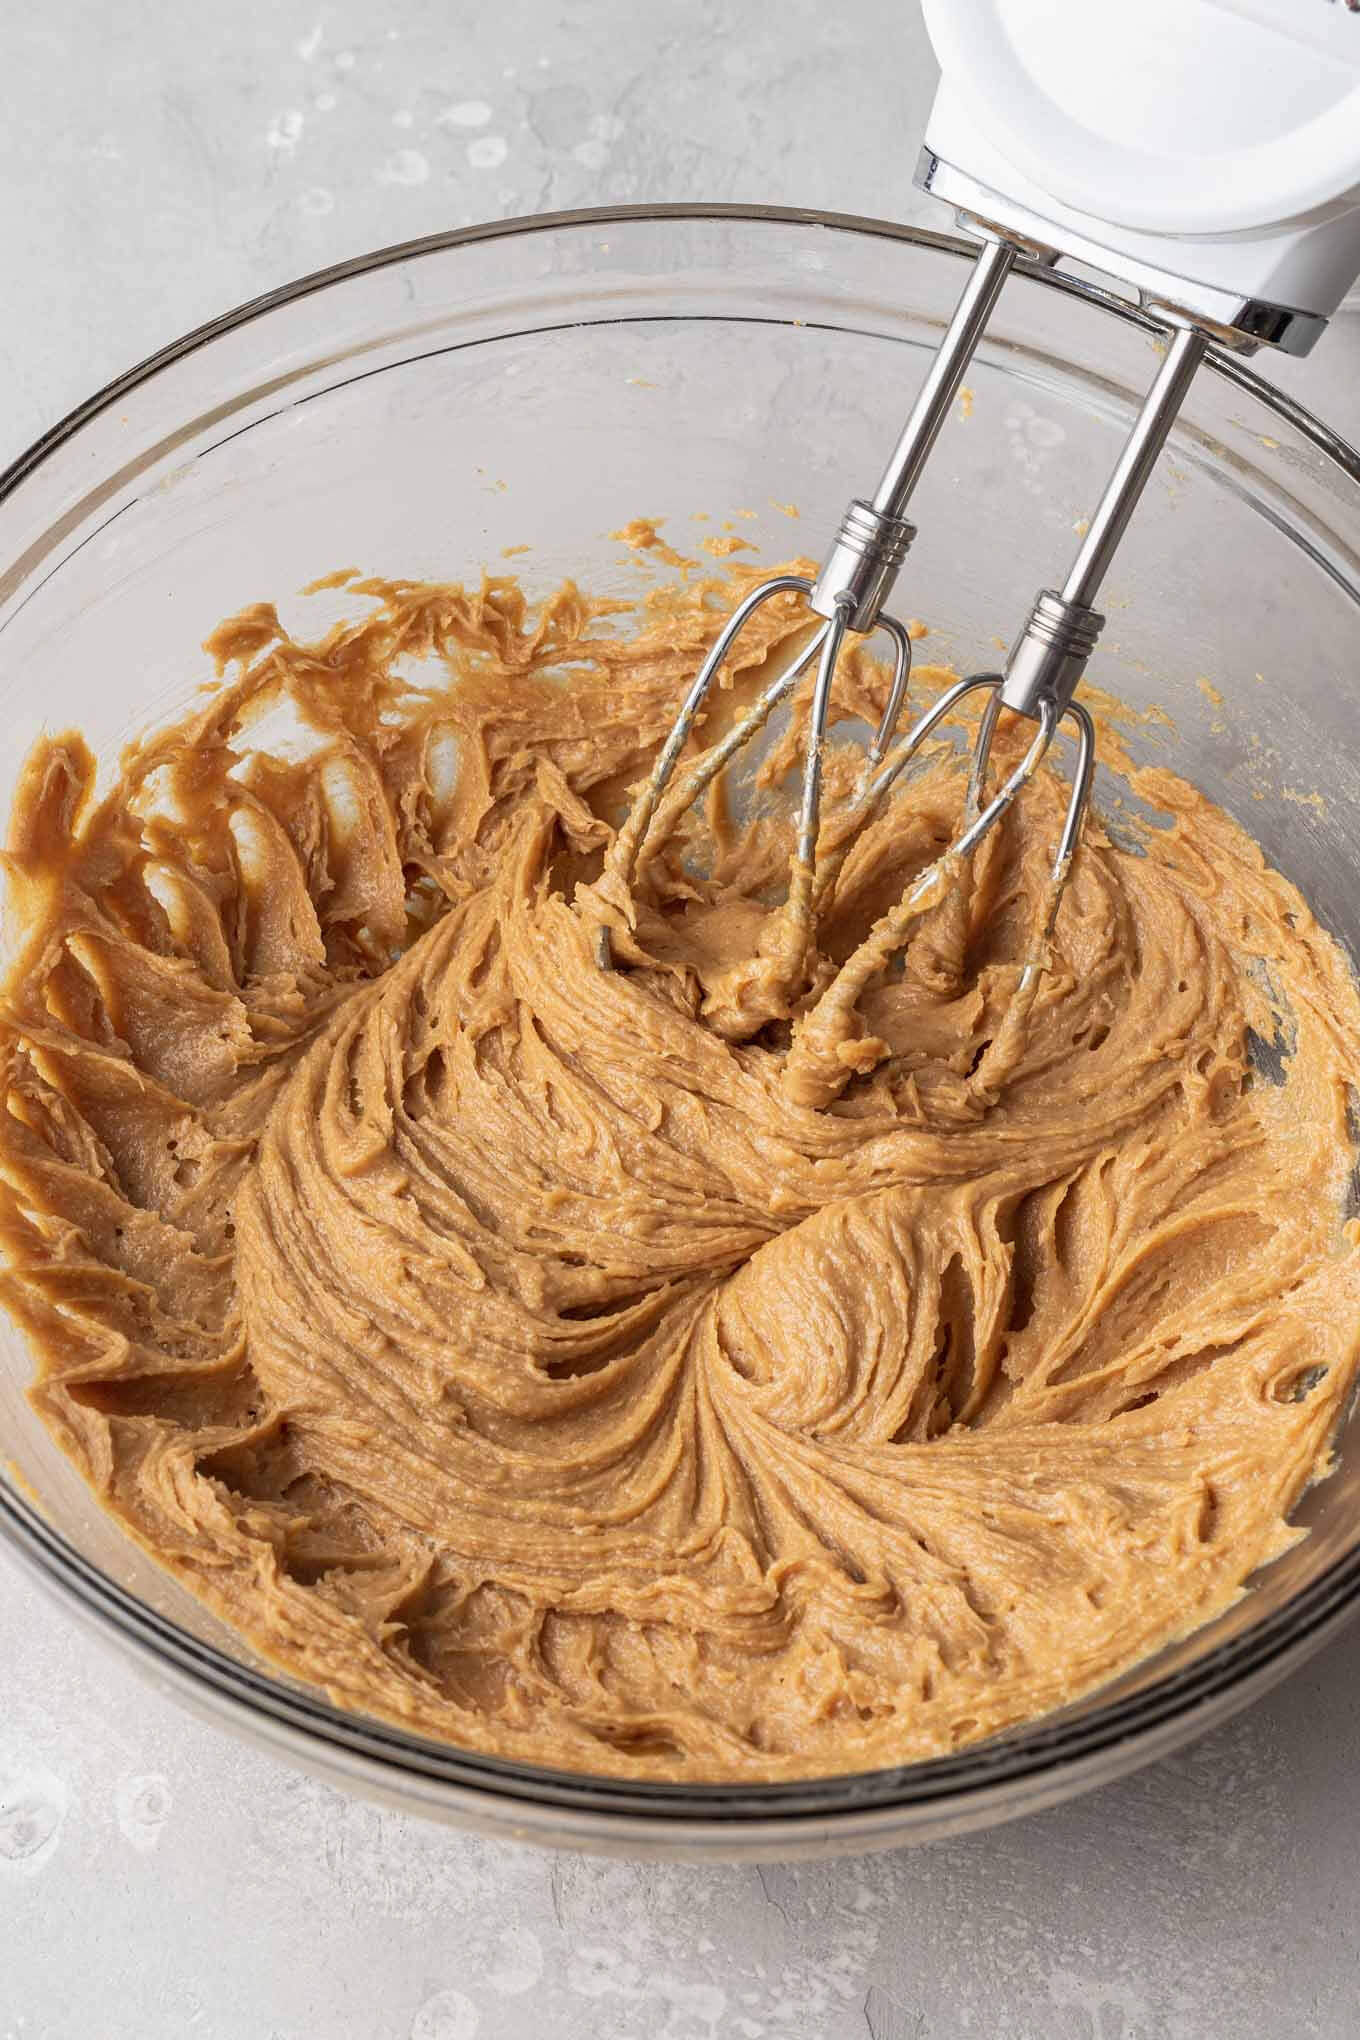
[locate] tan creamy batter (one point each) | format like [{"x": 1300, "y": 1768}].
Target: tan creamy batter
[{"x": 499, "y": 1346}]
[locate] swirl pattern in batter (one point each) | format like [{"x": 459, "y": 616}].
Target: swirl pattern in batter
[{"x": 496, "y": 1345}]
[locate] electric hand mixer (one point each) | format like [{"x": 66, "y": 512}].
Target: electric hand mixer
[{"x": 1206, "y": 152}]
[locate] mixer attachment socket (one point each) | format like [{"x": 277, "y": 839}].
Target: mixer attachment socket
[{"x": 861, "y": 567}]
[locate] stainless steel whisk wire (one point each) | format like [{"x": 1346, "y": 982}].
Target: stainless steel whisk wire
[{"x": 1043, "y": 668}]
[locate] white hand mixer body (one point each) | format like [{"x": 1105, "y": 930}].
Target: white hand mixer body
[{"x": 1205, "y": 152}]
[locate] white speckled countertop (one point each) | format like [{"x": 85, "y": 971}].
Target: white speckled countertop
[{"x": 159, "y": 163}]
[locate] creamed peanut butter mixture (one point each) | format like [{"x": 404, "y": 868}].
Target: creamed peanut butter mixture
[{"x": 498, "y": 1345}]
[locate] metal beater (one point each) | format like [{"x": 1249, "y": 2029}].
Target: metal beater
[{"x": 1002, "y": 78}]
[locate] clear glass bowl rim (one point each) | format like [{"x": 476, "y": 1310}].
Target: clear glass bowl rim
[{"x": 1027, "y": 1761}]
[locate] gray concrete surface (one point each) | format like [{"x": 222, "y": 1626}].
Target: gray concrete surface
[{"x": 157, "y": 164}]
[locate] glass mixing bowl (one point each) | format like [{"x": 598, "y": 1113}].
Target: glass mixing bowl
[{"x": 540, "y": 384}]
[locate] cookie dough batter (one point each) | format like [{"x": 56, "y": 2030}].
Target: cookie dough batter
[{"x": 497, "y": 1345}]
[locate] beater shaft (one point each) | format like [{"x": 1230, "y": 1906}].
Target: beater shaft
[
  {"x": 875, "y": 536},
  {"x": 941, "y": 385},
  {"x": 1049, "y": 656},
  {"x": 1135, "y": 464}
]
